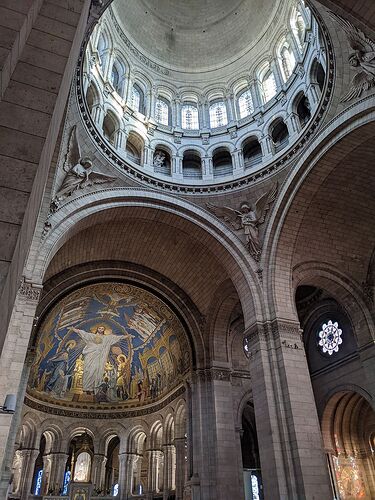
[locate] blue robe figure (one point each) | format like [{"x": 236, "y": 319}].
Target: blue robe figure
[{"x": 57, "y": 381}]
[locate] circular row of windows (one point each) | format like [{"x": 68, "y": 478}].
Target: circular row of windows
[{"x": 110, "y": 70}]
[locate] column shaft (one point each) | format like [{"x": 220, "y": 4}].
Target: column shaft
[{"x": 290, "y": 443}]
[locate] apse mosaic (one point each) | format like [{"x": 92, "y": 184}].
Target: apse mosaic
[{"x": 106, "y": 344}]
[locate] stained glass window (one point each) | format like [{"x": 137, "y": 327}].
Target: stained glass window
[
  {"x": 162, "y": 112},
  {"x": 189, "y": 117},
  {"x": 218, "y": 115},
  {"x": 330, "y": 337},
  {"x": 38, "y": 483},
  {"x": 245, "y": 104},
  {"x": 255, "y": 487},
  {"x": 66, "y": 482}
]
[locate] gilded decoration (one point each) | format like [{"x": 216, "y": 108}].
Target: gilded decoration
[{"x": 108, "y": 345}]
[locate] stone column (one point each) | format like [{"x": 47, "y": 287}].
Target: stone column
[
  {"x": 14, "y": 372},
  {"x": 154, "y": 461},
  {"x": 97, "y": 114},
  {"x": 179, "y": 444},
  {"x": 277, "y": 74},
  {"x": 58, "y": 465},
  {"x": 203, "y": 117},
  {"x": 229, "y": 99},
  {"x": 151, "y": 102},
  {"x": 294, "y": 125},
  {"x": 207, "y": 169},
  {"x": 313, "y": 94},
  {"x": 177, "y": 112},
  {"x": 290, "y": 443},
  {"x": 28, "y": 465},
  {"x": 98, "y": 471},
  {"x": 169, "y": 469},
  {"x": 127, "y": 462}
]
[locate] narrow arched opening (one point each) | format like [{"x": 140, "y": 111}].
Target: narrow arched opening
[
  {"x": 192, "y": 165},
  {"x": 134, "y": 148},
  {"x": 279, "y": 135},
  {"x": 109, "y": 128},
  {"x": 317, "y": 74},
  {"x": 252, "y": 152},
  {"x": 302, "y": 108},
  {"x": 348, "y": 433},
  {"x": 250, "y": 456},
  {"x": 222, "y": 162},
  {"x": 38, "y": 479},
  {"x": 112, "y": 467}
]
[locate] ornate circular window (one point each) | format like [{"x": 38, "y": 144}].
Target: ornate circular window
[{"x": 330, "y": 337}]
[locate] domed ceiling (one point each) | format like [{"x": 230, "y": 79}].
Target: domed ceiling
[
  {"x": 108, "y": 346},
  {"x": 195, "y": 35}
]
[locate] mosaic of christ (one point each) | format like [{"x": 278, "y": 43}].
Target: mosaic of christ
[{"x": 109, "y": 343}]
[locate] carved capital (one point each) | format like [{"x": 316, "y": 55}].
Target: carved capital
[{"x": 29, "y": 290}]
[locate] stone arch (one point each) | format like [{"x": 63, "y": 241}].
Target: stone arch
[
  {"x": 223, "y": 302},
  {"x": 84, "y": 211},
  {"x": 348, "y": 425},
  {"x": 336, "y": 142},
  {"x": 344, "y": 290}
]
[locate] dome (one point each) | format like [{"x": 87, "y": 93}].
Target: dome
[
  {"x": 202, "y": 96},
  {"x": 195, "y": 36},
  {"x": 108, "y": 347}
]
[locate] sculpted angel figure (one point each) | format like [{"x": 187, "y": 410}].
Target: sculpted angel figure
[
  {"x": 362, "y": 59},
  {"x": 79, "y": 171},
  {"x": 248, "y": 218}
]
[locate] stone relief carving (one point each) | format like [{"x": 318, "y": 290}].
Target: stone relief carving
[
  {"x": 248, "y": 219},
  {"x": 159, "y": 159},
  {"x": 29, "y": 290},
  {"x": 362, "y": 59},
  {"x": 79, "y": 171}
]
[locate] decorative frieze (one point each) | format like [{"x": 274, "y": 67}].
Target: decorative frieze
[{"x": 29, "y": 290}]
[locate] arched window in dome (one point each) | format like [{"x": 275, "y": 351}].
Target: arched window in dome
[
  {"x": 102, "y": 47},
  {"x": 299, "y": 28},
  {"x": 189, "y": 117},
  {"x": 162, "y": 111},
  {"x": 218, "y": 114},
  {"x": 137, "y": 99},
  {"x": 245, "y": 104},
  {"x": 116, "y": 78},
  {"x": 268, "y": 86},
  {"x": 287, "y": 61}
]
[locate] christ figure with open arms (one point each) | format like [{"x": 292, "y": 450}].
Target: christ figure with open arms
[{"x": 95, "y": 354}]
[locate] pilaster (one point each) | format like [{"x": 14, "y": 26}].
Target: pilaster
[{"x": 290, "y": 442}]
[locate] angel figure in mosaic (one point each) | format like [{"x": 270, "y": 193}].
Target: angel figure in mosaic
[
  {"x": 248, "y": 218},
  {"x": 79, "y": 171},
  {"x": 362, "y": 59}
]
